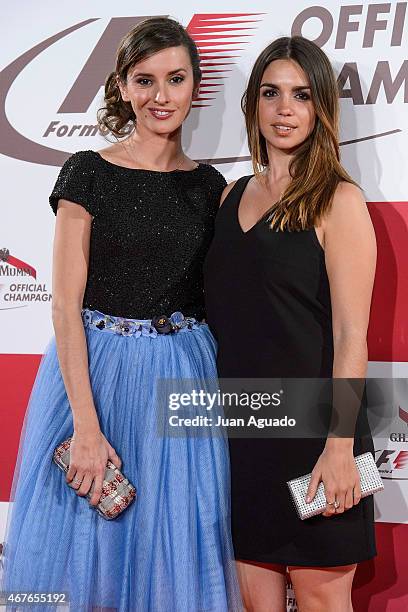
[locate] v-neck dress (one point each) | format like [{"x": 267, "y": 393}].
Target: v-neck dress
[{"x": 268, "y": 305}]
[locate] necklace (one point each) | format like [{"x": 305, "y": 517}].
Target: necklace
[{"x": 129, "y": 152}]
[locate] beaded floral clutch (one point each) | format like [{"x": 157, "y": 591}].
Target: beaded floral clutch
[
  {"x": 117, "y": 492},
  {"x": 370, "y": 482}
]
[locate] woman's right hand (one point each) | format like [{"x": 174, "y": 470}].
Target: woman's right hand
[{"x": 89, "y": 454}]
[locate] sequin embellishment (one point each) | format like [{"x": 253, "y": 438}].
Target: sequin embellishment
[{"x": 150, "y": 328}]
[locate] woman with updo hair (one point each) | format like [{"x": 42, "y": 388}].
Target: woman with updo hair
[{"x": 133, "y": 224}]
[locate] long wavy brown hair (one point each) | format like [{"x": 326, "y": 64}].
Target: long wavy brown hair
[
  {"x": 315, "y": 169},
  {"x": 146, "y": 39}
]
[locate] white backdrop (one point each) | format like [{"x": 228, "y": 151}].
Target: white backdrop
[
  {"x": 53, "y": 60},
  {"x": 35, "y": 89}
]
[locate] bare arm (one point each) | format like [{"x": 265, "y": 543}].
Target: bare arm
[
  {"x": 226, "y": 191},
  {"x": 350, "y": 254},
  {"x": 350, "y": 250},
  {"x": 70, "y": 268},
  {"x": 89, "y": 448}
]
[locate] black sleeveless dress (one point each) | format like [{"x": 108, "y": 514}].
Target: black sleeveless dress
[{"x": 268, "y": 304}]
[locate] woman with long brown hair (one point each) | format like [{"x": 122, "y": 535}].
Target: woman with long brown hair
[
  {"x": 134, "y": 222},
  {"x": 288, "y": 283}
]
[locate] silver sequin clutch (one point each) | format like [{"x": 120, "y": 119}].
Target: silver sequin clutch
[
  {"x": 370, "y": 482},
  {"x": 117, "y": 492}
]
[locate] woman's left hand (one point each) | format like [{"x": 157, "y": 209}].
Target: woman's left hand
[{"x": 337, "y": 469}]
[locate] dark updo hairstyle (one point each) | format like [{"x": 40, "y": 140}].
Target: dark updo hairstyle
[{"x": 146, "y": 39}]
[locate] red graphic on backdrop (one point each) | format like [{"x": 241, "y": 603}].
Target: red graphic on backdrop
[
  {"x": 389, "y": 460},
  {"x": 17, "y": 263},
  {"x": 403, "y": 415},
  {"x": 402, "y": 460},
  {"x": 388, "y": 329},
  {"x": 214, "y": 34}
]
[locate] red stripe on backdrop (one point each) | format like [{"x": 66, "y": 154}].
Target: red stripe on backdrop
[
  {"x": 17, "y": 374},
  {"x": 388, "y": 331},
  {"x": 381, "y": 585}
]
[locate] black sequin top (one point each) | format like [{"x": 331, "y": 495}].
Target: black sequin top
[{"x": 150, "y": 233}]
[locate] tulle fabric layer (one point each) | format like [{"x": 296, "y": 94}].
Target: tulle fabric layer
[{"x": 171, "y": 549}]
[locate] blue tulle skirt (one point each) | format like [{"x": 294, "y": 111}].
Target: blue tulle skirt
[{"x": 171, "y": 549}]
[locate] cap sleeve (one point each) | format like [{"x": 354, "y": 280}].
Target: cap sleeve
[
  {"x": 217, "y": 185},
  {"x": 75, "y": 183}
]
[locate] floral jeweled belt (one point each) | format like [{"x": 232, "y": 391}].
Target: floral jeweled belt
[{"x": 151, "y": 328}]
